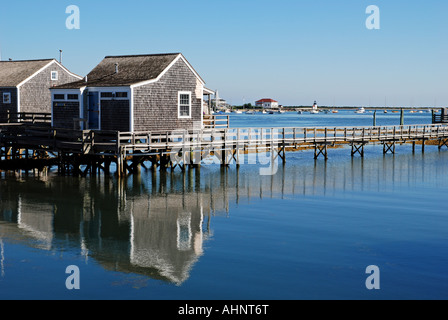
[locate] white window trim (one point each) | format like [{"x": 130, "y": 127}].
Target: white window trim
[
  {"x": 54, "y": 76},
  {"x": 178, "y": 104},
  {"x": 6, "y": 94}
]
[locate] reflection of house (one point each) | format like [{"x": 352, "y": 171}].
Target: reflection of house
[
  {"x": 133, "y": 93},
  {"x": 24, "y": 85},
  {"x": 157, "y": 226},
  {"x": 39, "y": 226},
  {"x": 267, "y": 104},
  {"x": 168, "y": 238}
]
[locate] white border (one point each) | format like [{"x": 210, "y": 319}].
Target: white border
[
  {"x": 178, "y": 104},
  {"x": 56, "y": 78}
]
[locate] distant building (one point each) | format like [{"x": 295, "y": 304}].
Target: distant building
[
  {"x": 25, "y": 85},
  {"x": 267, "y": 104},
  {"x": 222, "y": 103}
]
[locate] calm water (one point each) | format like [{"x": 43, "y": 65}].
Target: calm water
[{"x": 308, "y": 232}]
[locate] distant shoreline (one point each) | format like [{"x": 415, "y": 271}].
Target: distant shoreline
[{"x": 306, "y": 108}]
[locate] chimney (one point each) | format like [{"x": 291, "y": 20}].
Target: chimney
[{"x": 60, "y": 56}]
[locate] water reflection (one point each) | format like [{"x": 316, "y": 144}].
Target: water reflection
[{"x": 156, "y": 224}]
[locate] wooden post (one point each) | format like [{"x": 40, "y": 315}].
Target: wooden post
[{"x": 238, "y": 147}]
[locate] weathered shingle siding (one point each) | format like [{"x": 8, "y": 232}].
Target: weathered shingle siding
[
  {"x": 35, "y": 95},
  {"x": 11, "y": 107},
  {"x": 115, "y": 115},
  {"x": 64, "y": 114},
  {"x": 156, "y": 104}
]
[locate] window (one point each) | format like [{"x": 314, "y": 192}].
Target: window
[
  {"x": 107, "y": 94},
  {"x": 54, "y": 75},
  {"x": 121, "y": 94},
  {"x": 6, "y": 97},
  {"x": 72, "y": 97},
  {"x": 184, "y": 104},
  {"x": 114, "y": 94},
  {"x": 59, "y": 97}
]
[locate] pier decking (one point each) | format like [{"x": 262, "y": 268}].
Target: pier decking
[{"x": 26, "y": 145}]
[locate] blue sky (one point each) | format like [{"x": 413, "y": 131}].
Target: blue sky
[{"x": 292, "y": 51}]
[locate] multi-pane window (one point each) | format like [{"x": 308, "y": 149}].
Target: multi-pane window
[
  {"x": 59, "y": 97},
  {"x": 114, "y": 94},
  {"x": 107, "y": 94},
  {"x": 72, "y": 97},
  {"x": 6, "y": 97},
  {"x": 121, "y": 94},
  {"x": 54, "y": 75},
  {"x": 184, "y": 104}
]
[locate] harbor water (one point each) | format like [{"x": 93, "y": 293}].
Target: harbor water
[{"x": 308, "y": 232}]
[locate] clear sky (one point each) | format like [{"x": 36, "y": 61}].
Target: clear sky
[{"x": 294, "y": 51}]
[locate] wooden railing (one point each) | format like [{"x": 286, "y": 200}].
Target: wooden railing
[
  {"x": 246, "y": 137},
  {"x": 27, "y": 117},
  {"x": 216, "y": 121},
  {"x": 440, "y": 118}
]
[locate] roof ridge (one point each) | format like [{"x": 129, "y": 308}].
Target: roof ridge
[
  {"x": 144, "y": 55},
  {"x": 32, "y": 60}
]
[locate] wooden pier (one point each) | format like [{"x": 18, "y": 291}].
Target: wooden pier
[{"x": 24, "y": 146}]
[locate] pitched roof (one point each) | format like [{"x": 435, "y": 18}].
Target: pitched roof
[
  {"x": 12, "y": 73},
  {"x": 266, "y": 100},
  {"x": 132, "y": 69}
]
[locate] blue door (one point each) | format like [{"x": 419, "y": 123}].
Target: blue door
[{"x": 94, "y": 110}]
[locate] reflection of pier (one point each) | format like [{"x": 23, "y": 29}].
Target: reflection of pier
[{"x": 155, "y": 224}]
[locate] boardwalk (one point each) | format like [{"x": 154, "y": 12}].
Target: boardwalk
[{"x": 96, "y": 150}]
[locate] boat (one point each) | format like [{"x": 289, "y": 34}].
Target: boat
[
  {"x": 238, "y": 112},
  {"x": 300, "y": 112},
  {"x": 334, "y": 111},
  {"x": 385, "y": 111},
  {"x": 361, "y": 110},
  {"x": 250, "y": 112}
]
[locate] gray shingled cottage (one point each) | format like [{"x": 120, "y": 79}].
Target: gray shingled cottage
[
  {"x": 24, "y": 85},
  {"x": 133, "y": 93}
]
